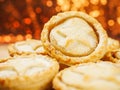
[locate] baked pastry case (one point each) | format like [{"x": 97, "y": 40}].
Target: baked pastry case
[{"x": 59, "y": 45}]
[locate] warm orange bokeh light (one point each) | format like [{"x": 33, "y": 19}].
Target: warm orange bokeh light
[
  {"x": 57, "y": 8},
  {"x": 95, "y": 13},
  {"x": 94, "y": 2},
  {"x": 22, "y": 20},
  {"x": 28, "y": 36},
  {"x": 38, "y": 10},
  {"x": 16, "y": 24},
  {"x": 49, "y": 3},
  {"x": 27, "y": 21},
  {"x": 103, "y": 2},
  {"x": 7, "y": 38},
  {"x": 19, "y": 37},
  {"x": 111, "y": 22}
]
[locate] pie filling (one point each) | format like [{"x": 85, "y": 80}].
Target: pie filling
[
  {"x": 28, "y": 47},
  {"x": 24, "y": 47},
  {"x": 74, "y": 37},
  {"x": 7, "y": 73},
  {"x": 24, "y": 66},
  {"x": 91, "y": 75}
]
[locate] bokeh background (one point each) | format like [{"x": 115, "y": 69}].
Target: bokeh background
[{"x": 24, "y": 19}]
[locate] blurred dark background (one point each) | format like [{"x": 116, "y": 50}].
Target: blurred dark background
[{"x": 24, "y": 19}]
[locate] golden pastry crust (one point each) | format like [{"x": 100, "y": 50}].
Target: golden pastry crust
[
  {"x": 26, "y": 47},
  {"x": 113, "y": 48},
  {"x": 113, "y": 56},
  {"x": 112, "y": 44},
  {"x": 89, "y": 76},
  {"x": 70, "y": 52},
  {"x": 32, "y": 72}
]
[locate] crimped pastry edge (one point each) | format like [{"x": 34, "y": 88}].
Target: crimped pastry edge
[
  {"x": 14, "y": 52},
  {"x": 59, "y": 84},
  {"x": 97, "y": 54},
  {"x": 35, "y": 82}
]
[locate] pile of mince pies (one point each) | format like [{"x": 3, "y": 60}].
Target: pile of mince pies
[{"x": 74, "y": 53}]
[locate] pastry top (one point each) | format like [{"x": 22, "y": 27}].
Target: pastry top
[
  {"x": 113, "y": 44},
  {"x": 117, "y": 54},
  {"x": 89, "y": 76},
  {"x": 26, "y": 47},
  {"x": 113, "y": 50},
  {"x": 27, "y": 71},
  {"x": 74, "y": 37},
  {"x": 113, "y": 56}
]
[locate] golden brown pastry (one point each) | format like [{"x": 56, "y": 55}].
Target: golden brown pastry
[
  {"x": 112, "y": 44},
  {"x": 26, "y": 47},
  {"x": 117, "y": 56},
  {"x": 113, "y": 56},
  {"x": 89, "y": 76},
  {"x": 74, "y": 37},
  {"x": 31, "y": 72},
  {"x": 113, "y": 47}
]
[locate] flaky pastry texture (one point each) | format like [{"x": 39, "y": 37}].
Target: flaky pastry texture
[
  {"x": 89, "y": 76},
  {"x": 74, "y": 37},
  {"x": 113, "y": 50},
  {"x": 113, "y": 56},
  {"x": 32, "y": 72},
  {"x": 113, "y": 44},
  {"x": 26, "y": 47}
]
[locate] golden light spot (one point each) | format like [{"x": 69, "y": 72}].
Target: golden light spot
[
  {"x": 80, "y": 3},
  {"x": 103, "y": 2},
  {"x": 7, "y": 38},
  {"x": 27, "y": 21},
  {"x": 95, "y": 13},
  {"x": 49, "y": 3},
  {"x": 60, "y": 2},
  {"x": 32, "y": 14},
  {"x": 28, "y": 36},
  {"x": 118, "y": 20},
  {"x": 64, "y": 4},
  {"x": 111, "y": 22},
  {"x": 58, "y": 9},
  {"x": 65, "y": 7},
  {"x": 19, "y": 37},
  {"x": 73, "y": 5},
  {"x": 95, "y": 2}
]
